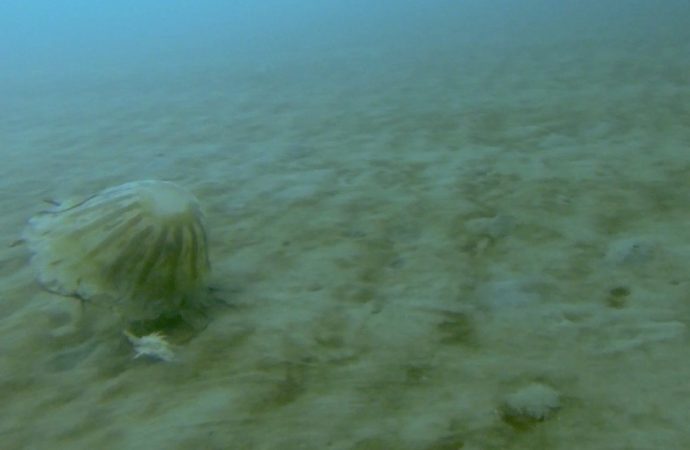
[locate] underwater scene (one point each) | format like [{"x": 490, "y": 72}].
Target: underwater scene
[{"x": 330, "y": 225}]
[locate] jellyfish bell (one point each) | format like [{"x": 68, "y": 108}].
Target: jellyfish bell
[{"x": 140, "y": 245}]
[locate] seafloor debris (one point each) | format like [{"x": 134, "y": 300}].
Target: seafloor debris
[
  {"x": 152, "y": 346},
  {"x": 533, "y": 403}
]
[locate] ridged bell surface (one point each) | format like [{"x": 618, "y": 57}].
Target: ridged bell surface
[{"x": 142, "y": 244}]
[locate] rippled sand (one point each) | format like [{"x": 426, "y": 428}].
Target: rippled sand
[{"x": 436, "y": 251}]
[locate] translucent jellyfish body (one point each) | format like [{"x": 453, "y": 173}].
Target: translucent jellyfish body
[{"x": 141, "y": 245}]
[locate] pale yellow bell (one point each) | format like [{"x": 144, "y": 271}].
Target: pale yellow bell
[{"x": 141, "y": 244}]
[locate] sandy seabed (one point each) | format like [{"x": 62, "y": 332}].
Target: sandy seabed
[{"x": 477, "y": 251}]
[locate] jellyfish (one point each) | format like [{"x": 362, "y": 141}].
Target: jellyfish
[{"x": 141, "y": 245}]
